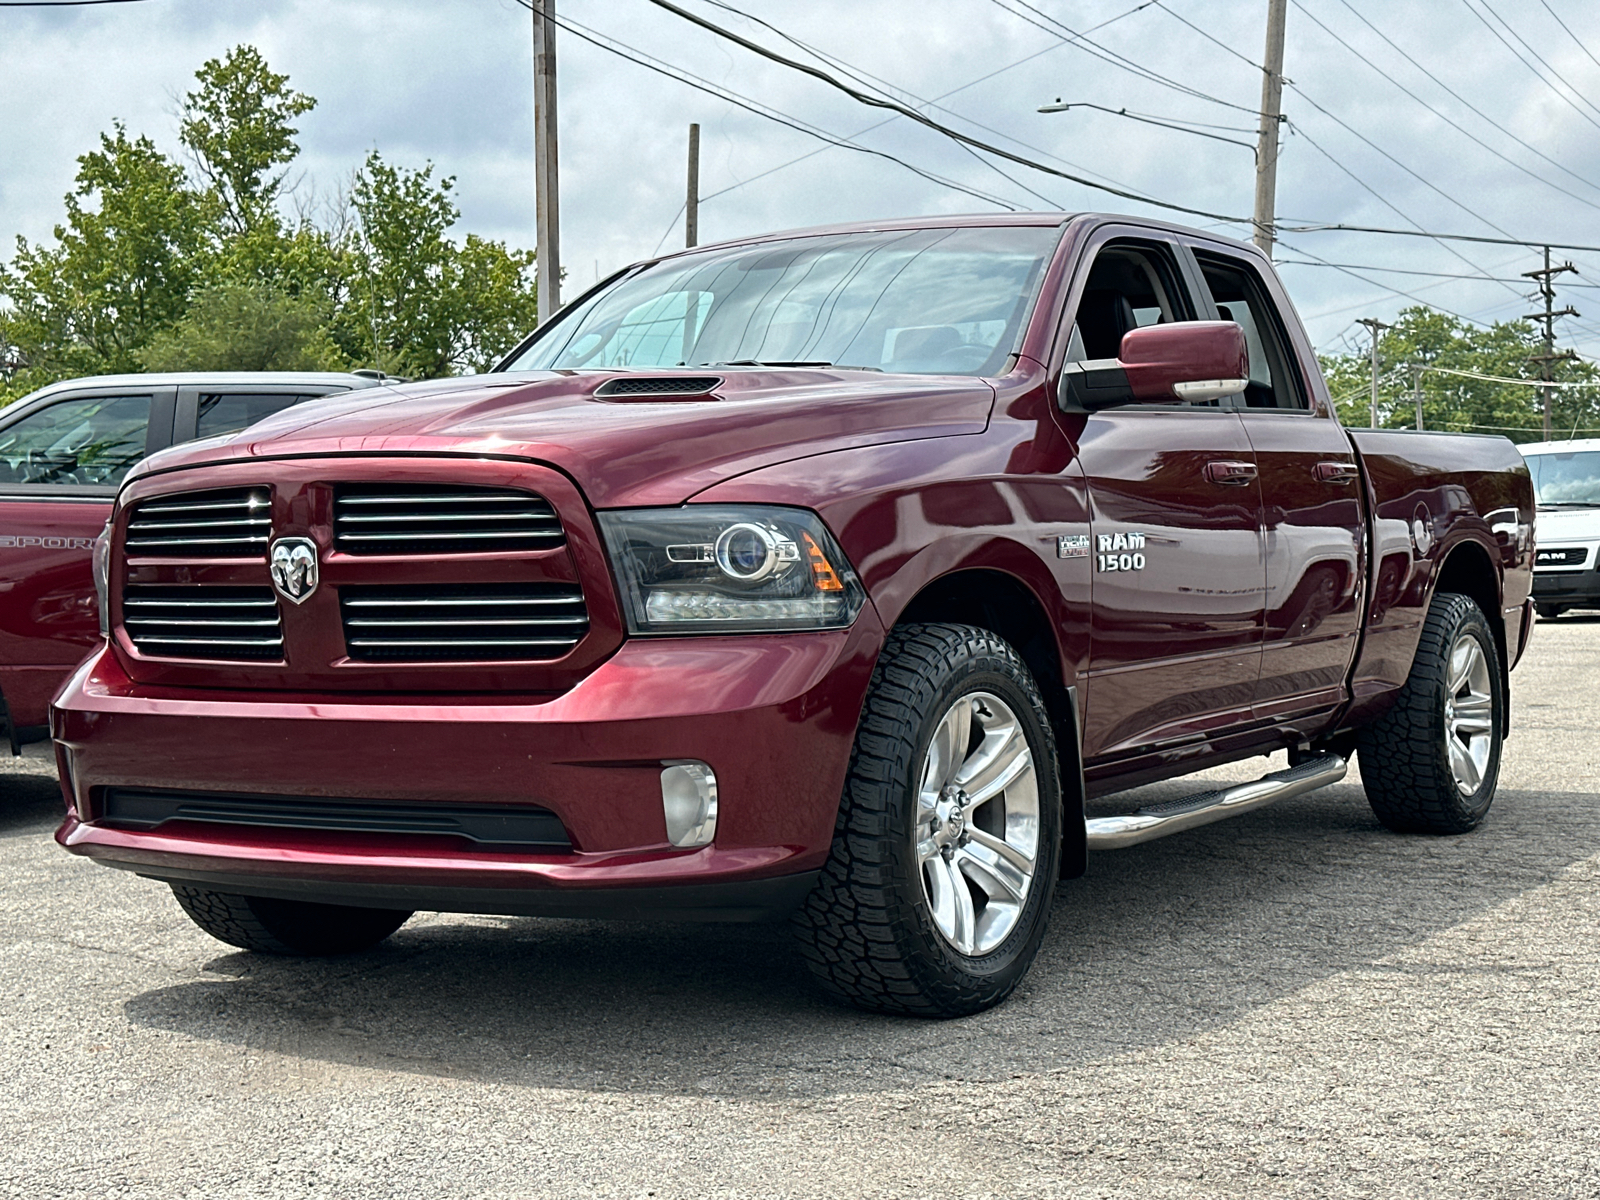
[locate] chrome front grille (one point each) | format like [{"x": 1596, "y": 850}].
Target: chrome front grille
[
  {"x": 463, "y": 622},
  {"x": 441, "y": 519},
  {"x": 235, "y": 523},
  {"x": 203, "y": 621}
]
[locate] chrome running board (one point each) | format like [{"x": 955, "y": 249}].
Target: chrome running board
[{"x": 1174, "y": 816}]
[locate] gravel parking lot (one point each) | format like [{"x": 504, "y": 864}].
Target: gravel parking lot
[{"x": 1292, "y": 1003}]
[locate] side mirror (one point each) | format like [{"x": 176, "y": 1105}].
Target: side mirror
[{"x": 1160, "y": 364}]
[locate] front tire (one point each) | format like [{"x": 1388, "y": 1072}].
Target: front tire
[
  {"x": 1549, "y": 612},
  {"x": 946, "y": 850},
  {"x": 291, "y": 927},
  {"x": 1431, "y": 762}
]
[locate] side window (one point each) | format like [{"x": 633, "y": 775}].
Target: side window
[
  {"x": 1239, "y": 296},
  {"x": 229, "y": 412},
  {"x": 1130, "y": 284},
  {"x": 92, "y": 440}
]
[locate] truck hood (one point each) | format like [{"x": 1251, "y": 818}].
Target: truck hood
[
  {"x": 622, "y": 451},
  {"x": 1567, "y": 525}
]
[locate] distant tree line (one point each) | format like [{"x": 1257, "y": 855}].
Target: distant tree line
[
  {"x": 1426, "y": 337},
  {"x": 219, "y": 262}
]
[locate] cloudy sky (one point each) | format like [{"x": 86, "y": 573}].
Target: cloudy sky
[{"x": 1432, "y": 114}]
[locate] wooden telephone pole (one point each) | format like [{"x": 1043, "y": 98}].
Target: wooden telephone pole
[
  {"x": 546, "y": 182},
  {"x": 1375, "y": 327},
  {"x": 691, "y": 205},
  {"x": 1547, "y": 318},
  {"x": 1265, "y": 216}
]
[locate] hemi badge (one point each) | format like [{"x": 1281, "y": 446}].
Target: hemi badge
[{"x": 1072, "y": 545}]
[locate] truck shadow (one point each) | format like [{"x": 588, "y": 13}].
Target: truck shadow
[
  {"x": 27, "y": 801},
  {"x": 1159, "y": 943}
]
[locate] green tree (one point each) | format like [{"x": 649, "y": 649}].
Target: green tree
[
  {"x": 418, "y": 304},
  {"x": 1441, "y": 343},
  {"x": 156, "y": 266},
  {"x": 236, "y": 326},
  {"x": 237, "y": 127},
  {"x": 121, "y": 269}
]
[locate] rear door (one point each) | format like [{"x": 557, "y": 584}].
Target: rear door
[
  {"x": 1311, "y": 497},
  {"x": 61, "y": 461},
  {"x": 1176, "y": 552}
]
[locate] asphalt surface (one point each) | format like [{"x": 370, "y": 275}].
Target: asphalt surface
[{"x": 1292, "y": 1003}]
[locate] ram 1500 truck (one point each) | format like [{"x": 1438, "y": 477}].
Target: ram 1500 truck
[
  {"x": 1566, "y": 563},
  {"x": 823, "y": 574}
]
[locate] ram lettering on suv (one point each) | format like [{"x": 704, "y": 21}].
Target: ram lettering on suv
[{"x": 822, "y": 575}]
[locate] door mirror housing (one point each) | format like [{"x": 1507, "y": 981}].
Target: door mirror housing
[{"x": 1161, "y": 364}]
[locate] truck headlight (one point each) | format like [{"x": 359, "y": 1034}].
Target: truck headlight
[{"x": 729, "y": 568}]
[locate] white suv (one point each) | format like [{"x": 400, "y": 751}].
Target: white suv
[{"x": 1566, "y": 479}]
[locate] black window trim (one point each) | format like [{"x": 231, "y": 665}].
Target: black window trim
[{"x": 1285, "y": 345}]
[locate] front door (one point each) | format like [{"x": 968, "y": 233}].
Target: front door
[
  {"x": 1176, "y": 546},
  {"x": 60, "y": 465}
]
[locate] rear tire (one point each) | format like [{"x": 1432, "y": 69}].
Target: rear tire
[
  {"x": 293, "y": 927},
  {"x": 1431, "y": 762},
  {"x": 934, "y": 900}
]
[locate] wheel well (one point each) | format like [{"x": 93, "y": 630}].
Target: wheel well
[
  {"x": 1469, "y": 571},
  {"x": 1002, "y": 604}
]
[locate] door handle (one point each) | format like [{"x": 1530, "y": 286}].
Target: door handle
[
  {"x": 1338, "y": 472},
  {"x": 1230, "y": 473}
]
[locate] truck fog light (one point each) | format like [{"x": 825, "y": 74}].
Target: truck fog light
[{"x": 689, "y": 800}]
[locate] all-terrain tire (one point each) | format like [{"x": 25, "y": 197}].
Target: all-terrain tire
[
  {"x": 293, "y": 927},
  {"x": 1405, "y": 754},
  {"x": 867, "y": 930}
]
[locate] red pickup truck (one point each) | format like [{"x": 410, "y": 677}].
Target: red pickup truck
[{"x": 824, "y": 574}]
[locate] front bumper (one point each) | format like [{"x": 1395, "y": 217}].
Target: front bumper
[
  {"x": 774, "y": 716},
  {"x": 1573, "y": 589}
]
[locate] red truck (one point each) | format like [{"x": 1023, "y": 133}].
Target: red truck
[
  {"x": 825, "y": 574},
  {"x": 64, "y": 450}
]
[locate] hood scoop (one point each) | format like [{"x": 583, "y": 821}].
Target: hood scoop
[{"x": 642, "y": 386}]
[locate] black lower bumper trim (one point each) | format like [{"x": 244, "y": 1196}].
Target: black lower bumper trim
[
  {"x": 743, "y": 901},
  {"x": 525, "y": 827}
]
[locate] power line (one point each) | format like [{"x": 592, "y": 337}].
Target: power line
[
  {"x": 639, "y": 57},
  {"x": 1382, "y": 199},
  {"x": 1108, "y": 55},
  {"x": 1514, "y": 54},
  {"x": 1537, "y": 57},
  {"x": 1442, "y": 116},
  {"x": 1570, "y": 34},
  {"x": 922, "y": 119},
  {"x": 1463, "y": 100},
  {"x": 934, "y": 103},
  {"x": 61, "y": 3}
]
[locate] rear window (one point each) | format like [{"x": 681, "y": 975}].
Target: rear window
[{"x": 229, "y": 412}]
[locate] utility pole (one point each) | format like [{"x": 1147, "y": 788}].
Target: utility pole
[
  {"x": 546, "y": 182},
  {"x": 1376, "y": 327},
  {"x": 1267, "y": 138},
  {"x": 691, "y": 206},
  {"x": 1547, "y": 318},
  {"x": 1416, "y": 390}
]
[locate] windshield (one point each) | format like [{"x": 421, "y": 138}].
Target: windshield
[
  {"x": 926, "y": 301},
  {"x": 1566, "y": 478}
]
